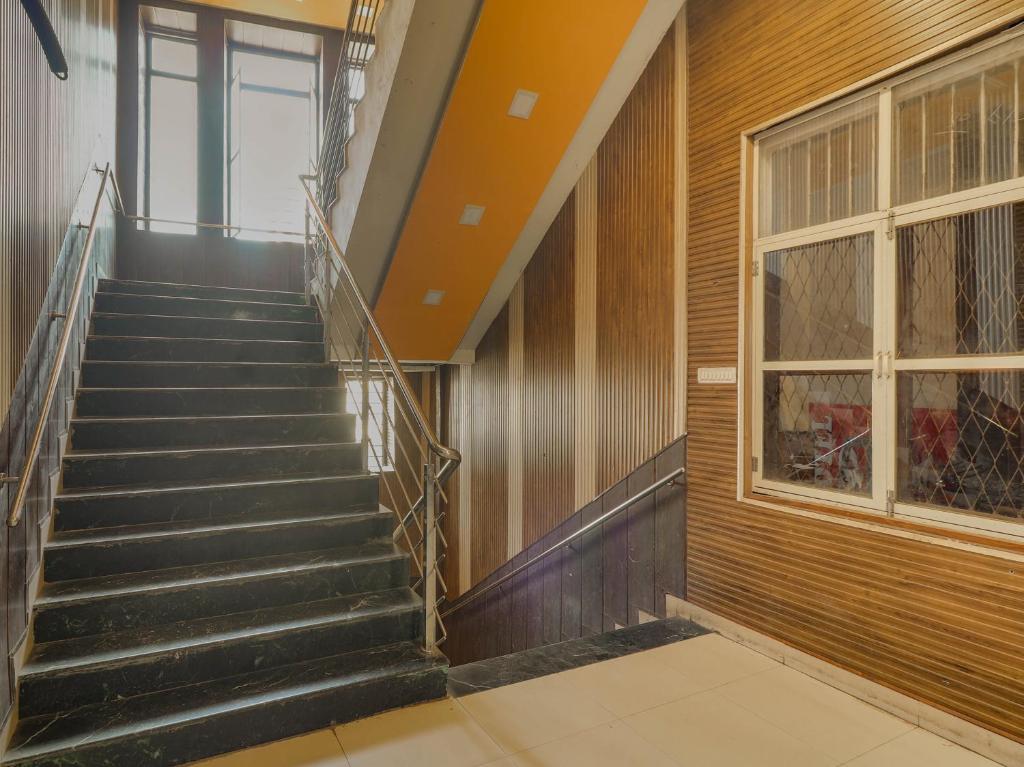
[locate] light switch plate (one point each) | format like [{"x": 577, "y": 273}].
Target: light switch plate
[{"x": 716, "y": 375}]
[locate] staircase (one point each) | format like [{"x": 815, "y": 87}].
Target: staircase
[{"x": 220, "y": 572}]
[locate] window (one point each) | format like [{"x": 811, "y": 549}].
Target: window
[
  {"x": 381, "y": 431},
  {"x": 272, "y": 139},
  {"x": 170, "y": 180},
  {"x": 888, "y": 355}
]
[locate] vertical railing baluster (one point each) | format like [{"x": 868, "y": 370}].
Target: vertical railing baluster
[
  {"x": 429, "y": 559},
  {"x": 365, "y": 409}
]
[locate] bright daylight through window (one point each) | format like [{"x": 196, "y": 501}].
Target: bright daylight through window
[{"x": 889, "y": 297}]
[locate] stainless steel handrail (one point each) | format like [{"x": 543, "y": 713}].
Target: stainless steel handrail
[
  {"x": 668, "y": 479},
  {"x": 202, "y": 225},
  {"x": 450, "y": 455},
  {"x": 32, "y": 456}
]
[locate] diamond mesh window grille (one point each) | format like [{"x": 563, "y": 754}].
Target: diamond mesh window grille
[
  {"x": 817, "y": 430},
  {"x": 961, "y": 284},
  {"x": 818, "y": 300},
  {"x": 961, "y": 441}
]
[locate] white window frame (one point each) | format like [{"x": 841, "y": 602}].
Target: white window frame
[{"x": 884, "y": 366}]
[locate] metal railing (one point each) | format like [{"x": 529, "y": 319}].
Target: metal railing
[
  {"x": 473, "y": 596},
  {"x": 414, "y": 471},
  {"x": 23, "y": 479},
  {"x": 357, "y": 47}
]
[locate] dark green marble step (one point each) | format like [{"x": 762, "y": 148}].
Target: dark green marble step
[
  {"x": 210, "y": 431},
  {"x": 139, "y": 468},
  {"x": 155, "y": 326},
  {"x": 201, "y": 291},
  {"x": 89, "y": 553},
  {"x": 214, "y": 501},
  {"x": 93, "y": 669},
  {"x": 130, "y": 348},
  {"x": 114, "y": 373},
  {"x": 193, "y": 722},
  {"x": 88, "y": 606},
  {"x": 108, "y": 403},
  {"x": 126, "y": 303}
]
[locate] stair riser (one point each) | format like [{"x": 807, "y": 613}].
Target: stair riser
[
  {"x": 133, "y": 611},
  {"x": 211, "y": 432},
  {"x": 59, "y": 691},
  {"x": 186, "y": 307},
  {"x": 212, "y": 504},
  {"x": 201, "y": 350},
  {"x": 86, "y": 560},
  {"x": 121, "y": 403},
  {"x": 201, "y": 291},
  {"x": 194, "y": 327},
  {"x": 186, "y": 375},
  {"x": 182, "y": 743},
  {"x": 87, "y": 472}
]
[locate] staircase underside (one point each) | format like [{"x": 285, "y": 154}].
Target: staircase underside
[{"x": 220, "y": 572}]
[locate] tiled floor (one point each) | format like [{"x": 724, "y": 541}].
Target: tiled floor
[{"x": 704, "y": 702}]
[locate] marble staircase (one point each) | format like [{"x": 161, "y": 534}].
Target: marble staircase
[{"x": 220, "y": 572}]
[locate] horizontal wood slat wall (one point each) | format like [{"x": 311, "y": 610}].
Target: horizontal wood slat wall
[
  {"x": 940, "y": 624},
  {"x": 623, "y": 341},
  {"x": 51, "y": 131},
  {"x": 577, "y": 591}
]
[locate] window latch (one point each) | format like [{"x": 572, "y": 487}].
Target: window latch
[
  {"x": 757, "y": 268},
  {"x": 890, "y": 503},
  {"x": 890, "y": 225},
  {"x": 754, "y": 463}
]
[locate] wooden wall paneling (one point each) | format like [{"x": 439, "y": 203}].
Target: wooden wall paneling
[
  {"x": 549, "y": 379},
  {"x": 572, "y": 581},
  {"x": 614, "y": 567},
  {"x": 448, "y": 433},
  {"x": 641, "y": 520},
  {"x": 635, "y": 257},
  {"x": 592, "y": 567},
  {"x": 938, "y": 623},
  {"x": 489, "y": 538},
  {"x": 670, "y": 529}
]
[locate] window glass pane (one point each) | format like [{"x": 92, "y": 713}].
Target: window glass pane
[
  {"x": 818, "y": 300},
  {"x": 275, "y": 71},
  {"x": 953, "y": 128},
  {"x": 961, "y": 441},
  {"x": 820, "y": 170},
  {"x": 172, "y": 152},
  {"x": 961, "y": 284},
  {"x": 175, "y": 56},
  {"x": 817, "y": 430},
  {"x": 381, "y": 432}
]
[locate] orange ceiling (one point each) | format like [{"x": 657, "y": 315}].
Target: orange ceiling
[
  {"x": 563, "y": 51},
  {"x": 323, "y": 13}
]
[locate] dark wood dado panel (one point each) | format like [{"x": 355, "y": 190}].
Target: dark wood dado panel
[
  {"x": 600, "y": 581},
  {"x": 635, "y": 252},
  {"x": 51, "y": 131},
  {"x": 943, "y": 625}
]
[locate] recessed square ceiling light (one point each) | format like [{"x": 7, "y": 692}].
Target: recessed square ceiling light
[
  {"x": 471, "y": 215},
  {"x": 522, "y": 104},
  {"x": 433, "y": 297}
]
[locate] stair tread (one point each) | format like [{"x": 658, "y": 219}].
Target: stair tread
[
  {"x": 156, "y": 582},
  {"x": 173, "y": 708},
  {"x": 143, "y": 491},
  {"x": 105, "y": 283},
  {"x": 133, "y": 644},
  {"x": 177, "y": 317},
  {"x": 203, "y": 418},
  {"x": 198, "y": 298},
  {"x": 188, "y": 529},
  {"x": 178, "y": 452},
  {"x": 176, "y": 339}
]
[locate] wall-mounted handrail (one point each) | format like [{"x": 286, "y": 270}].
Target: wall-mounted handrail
[
  {"x": 32, "y": 456},
  {"x": 668, "y": 479}
]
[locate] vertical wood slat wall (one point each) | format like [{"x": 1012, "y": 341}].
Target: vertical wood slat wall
[
  {"x": 50, "y": 133},
  {"x": 624, "y": 230},
  {"x": 940, "y": 624}
]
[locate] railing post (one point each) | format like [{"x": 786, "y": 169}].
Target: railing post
[
  {"x": 307, "y": 267},
  {"x": 365, "y": 407},
  {"x": 429, "y": 560}
]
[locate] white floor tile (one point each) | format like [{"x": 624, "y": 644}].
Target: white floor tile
[
  {"x": 919, "y": 748},
  {"x": 608, "y": 745},
  {"x": 317, "y": 749},
  {"x": 631, "y": 684},
  {"x": 712, "y": 660}
]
